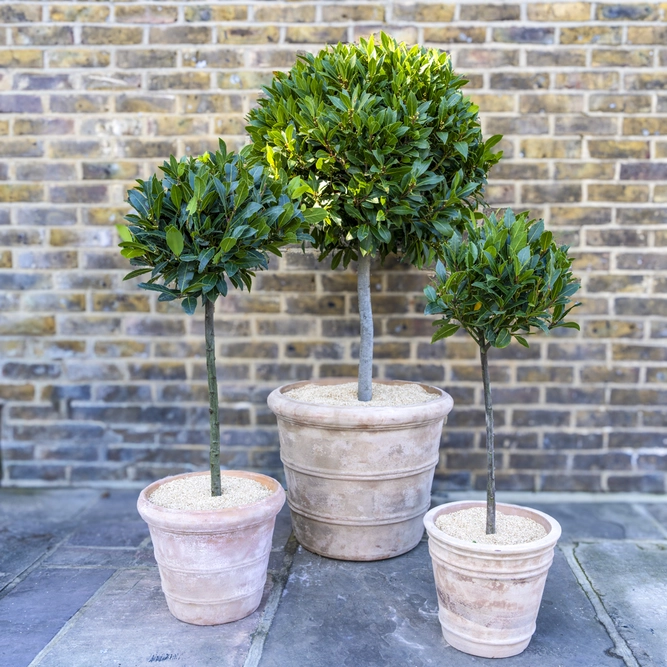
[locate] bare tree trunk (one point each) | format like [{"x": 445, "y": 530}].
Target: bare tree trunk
[
  {"x": 214, "y": 417},
  {"x": 365, "y": 391},
  {"x": 491, "y": 467}
]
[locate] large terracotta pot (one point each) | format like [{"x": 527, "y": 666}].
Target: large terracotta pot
[
  {"x": 213, "y": 563},
  {"x": 359, "y": 478},
  {"x": 488, "y": 594}
]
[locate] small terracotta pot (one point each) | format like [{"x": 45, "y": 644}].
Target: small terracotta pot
[
  {"x": 213, "y": 563},
  {"x": 359, "y": 478},
  {"x": 489, "y": 595}
]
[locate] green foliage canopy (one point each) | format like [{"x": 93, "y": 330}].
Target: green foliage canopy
[
  {"x": 504, "y": 278},
  {"x": 210, "y": 220},
  {"x": 382, "y": 133}
]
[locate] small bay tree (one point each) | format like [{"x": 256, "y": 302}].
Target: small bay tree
[
  {"x": 391, "y": 149},
  {"x": 208, "y": 225},
  {"x": 502, "y": 279}
]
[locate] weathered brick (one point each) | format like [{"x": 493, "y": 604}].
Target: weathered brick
[
  {"x": 151, "y": 14},
  {"x": 186, "y": 34},
  {"x": 79, "y": 103},
  {"x": 646, "y": 35},
  {"x": 21, "y": 58},
  {"x": 200, "y": 13},
  {"x": 577, "y": 441},
  {"x": 618, "y": 192},
  {"x": 551, "y": 193},
  {"x": 559, "y": 11},
  {"x": 419, "y": 12},
  {"x": 620, "y": 103},
  {"x": 20, "y": 104},
  {"x": 78, "y": 13},
  {"x": 588, "y": 81},
  {"x": 522, "y": 35},
  {"x": 20, "y": 13},
  {"x": 490, "y": 12},
  {"x": 21, "y": 193},
  {"x": 550, "y": 103},
  {"x": 79, "y": 58},
  {"x": 107, "y": 35},
  {"x": 551, "y": 148},
  {"x": 182, "y": 81},
  {"x": 22, "y": 325},
  {"x": 622, "y": 352},
  {"x": 555, "y": 58},
  {"x": 621, "y": 58},
  {"x": 519, "y": 81},
  {"x": 486, "y": 58},
  {"x": 212, "y": 103},
  {"x": 616, "y": 237},
  {"x": 300, "y": 35},
  {"x": 145, "y": 58},
  {"x": 627, "y": 12},
  {"x": 591, "y": 35},
  {"x": 43, "y": 35}
]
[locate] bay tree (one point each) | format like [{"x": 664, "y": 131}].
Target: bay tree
[
  {"x": 203, "y": 229},
  {"x": 390, "y": 147},
  {"x": 502, "y": 279}
]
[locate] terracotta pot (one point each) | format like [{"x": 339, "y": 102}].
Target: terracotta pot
[
  {"x": 213, "y": 562},
  {"x": 488, "y": 594},
  {"x": 359, "y": 478}
]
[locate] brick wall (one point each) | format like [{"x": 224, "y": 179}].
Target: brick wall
[{"x": 100, "y": 383}]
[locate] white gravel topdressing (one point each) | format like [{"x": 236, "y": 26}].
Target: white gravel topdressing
[
  {"x": 470, "y": 525},
  {"x": 194, "y": 493},
  {"x": 384, "y": 395}
]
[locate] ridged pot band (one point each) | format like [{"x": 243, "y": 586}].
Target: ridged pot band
[
  {"x": 489, "y": 595},
  {"x": 359, "y": 477}
]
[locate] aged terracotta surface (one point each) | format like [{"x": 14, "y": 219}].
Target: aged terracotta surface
[
  {"x": 359, "y": 478},
  {"x": 213, "y": 563},
  {"x": 489, "y": 595}
]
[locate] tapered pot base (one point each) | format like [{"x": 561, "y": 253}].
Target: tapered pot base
[{"x": 358, "y": 543}]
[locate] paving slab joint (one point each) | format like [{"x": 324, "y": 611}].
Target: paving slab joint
[
  {"x": 621, "y": 648},
  {"x": 279, "y": 582}
]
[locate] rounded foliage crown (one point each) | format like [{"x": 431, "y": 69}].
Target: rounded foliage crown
[
  {"x": 503, "y": 278},
  {"x": 210, "y": 220},
  {"x": 391, "y": 147}
]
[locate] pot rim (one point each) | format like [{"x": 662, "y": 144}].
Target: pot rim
[
  {"x": 332, "y": 416},
  {"x": 549, "y": 540},
  {"x": 443, "y": 395},
  {"x": 229, "y": 517}
]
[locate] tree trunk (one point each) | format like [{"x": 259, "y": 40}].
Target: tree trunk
[
  {"x": 214, "y": 417},
  {"x": 490, "y": 463},
  {"x": 365, "y": 391}
]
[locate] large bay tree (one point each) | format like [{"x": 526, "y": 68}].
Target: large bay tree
[{"x": 390, "y": 147}]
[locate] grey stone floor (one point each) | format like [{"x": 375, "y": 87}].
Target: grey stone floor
[{"x": 79, "y": 588}]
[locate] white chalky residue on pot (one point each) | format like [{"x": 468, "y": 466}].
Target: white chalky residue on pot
[
  {"x": 384, "y": 395},
  {"x": 470, "y": 525},
  {"x": 194, "y": 493}
]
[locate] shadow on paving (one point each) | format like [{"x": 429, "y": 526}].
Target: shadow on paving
[{"x": 79, "y": 588}]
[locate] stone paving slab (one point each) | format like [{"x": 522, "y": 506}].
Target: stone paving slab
[
  {"x": 384, "y": 614},
  {"x": 32, "y": 613},
  {"x": 32, "y": 522},
  {"x": 602, "y": 521},
  {"x": 128, "y": 624},
  {"x": 631, "y": 581}
]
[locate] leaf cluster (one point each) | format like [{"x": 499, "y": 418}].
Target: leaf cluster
[
  {"x": 503, "y": 278},
  {"x": 210, "y": 220},
  {"x": 391, "y": 147}
]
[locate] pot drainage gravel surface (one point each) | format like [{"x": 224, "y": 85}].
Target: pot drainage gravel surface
[{"x": 79, "y": 586}]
